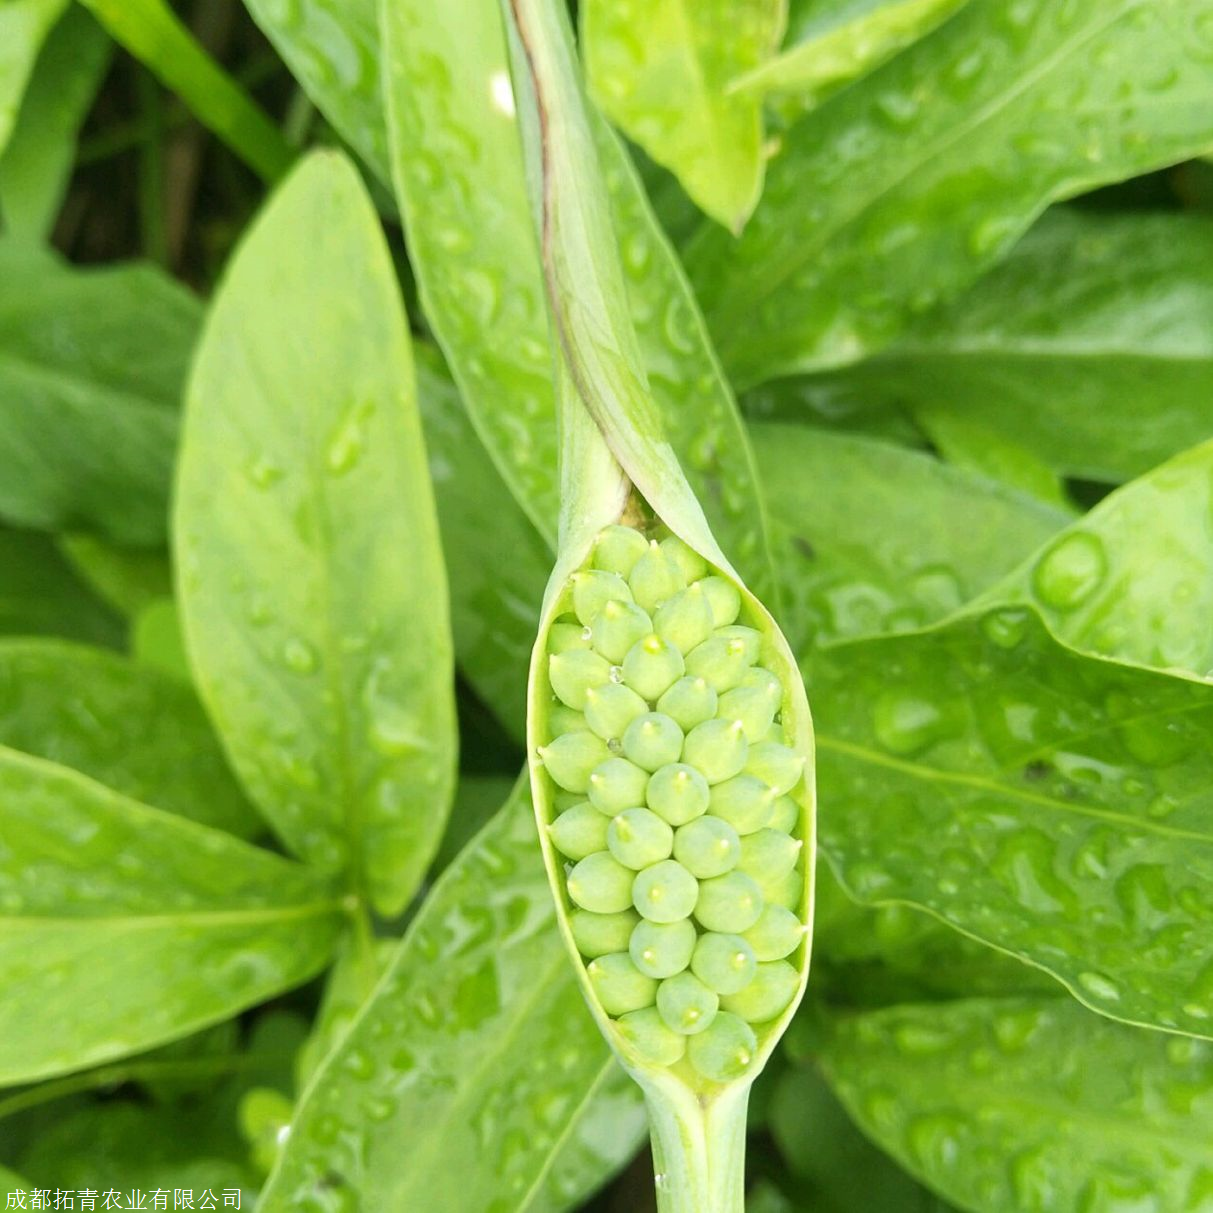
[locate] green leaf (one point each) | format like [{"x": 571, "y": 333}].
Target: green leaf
[
  {"x": 192, "y": 924},
  {"x": 900, "y": 191},
  {"x": 91, "y": 368},
  {"x": 1089, "y": 347},
  {"x": 24, "y": 25},
  {"x": 10, "y": 1181},
  {"x": 1054, "y": 806},
  {"x": 127, "y": 726},
  {"x": 157, "y": 640},
  {"x": 129, "y": 579},
  {"x": 310, "y": 571},
  {"x": 878, "y": 549},
  {"x": 36, "y": 165},
  {"x": 477, "y": 798},
  {"x": 1023, "y": 1105},
  {"x": 475, "y": 1075},
  {"x": 659, "y": 71}
]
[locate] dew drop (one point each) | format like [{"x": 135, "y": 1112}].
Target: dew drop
[
  {"x": 1071, "y": 571},
  {"x": 1006, "y": 627},
  {"x": 299, "y": 656},
  {"x": 1099, "y": 986}
]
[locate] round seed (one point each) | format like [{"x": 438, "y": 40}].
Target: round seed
[
  {"x": 564, "y": 720},
  {"x": 691, "y": 563},
  {"x": 651, "y": 667},
  {"x": 646, "y": 1034},
  {"x": 763, "y": 679},
  {"x": 574, "y": 672},
  {"x": 753, "y": 706},
  {"x": 638, "y": 838},
  {"x": 661, "y": 949},
  {"x": 716, "y": 748},
  {"x": 686, "y": 1005},
  {"x": 593, "y": 589},
  {"x": 768, "y": 854},
  {"x": 725, "y": 601},
  {"x": 678, "y": 793},
  {"x": 684, "y": 620},
  {"x": 720, "y": 660},
  {"x": 566, "y": 636},
  {"x": 707, "y": 847},
  {"x": 598, "y": 934},
  {"x": 730, "y": 903},
  {"x": 570, "y": 759},
  {"x": 655, "y": 577},
  {"x": 751, "y": 638},
  {"x": 775, "y": 764},
  {"x": 724, "y": 963},
  {"x": 726, "y": 1050},
  {"x": 611, "y": 708},
  {"x": 579, "y": 831},
  {"x": 785, "y": 815},
  {"x": 617, "y": 549},
  {"x": 652, "y": 740},
  {"x": 690, "y": 701},
  {"x": 776, "y": 934},
  {"x": 619, "y": 985},
  {"x": 787, "y": 891},
  {"x": 617, "y": 627},
  {"x": 615, "y": 784},
  {"x": 665, "y": 892},
  {"x": 767, "y": 995},
  {"x": 744, "y": 802},
  {"x": 602, "y": 884}
]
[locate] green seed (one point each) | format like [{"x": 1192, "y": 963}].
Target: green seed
[
  {"x": 655, "y": 577},
  {"x": 598, "y": 934},
  {"x": 754, "y": 707},
  {"x": 717, "y": 749},
  {"x": 707, "y": 847},
  {"x": 767, "y": 996},
  {"x": 724, "y": 963},
  {"x": 762, "y": 679},
  {"x": 730, "y": 903},
  {"x": 787, "y": 891},
  {"x": 651, "y": 667},
  {"x": 573, "y": 673},
  {"x": 617, "y": 549},
  {"x": 775, "y": 764},
  {"x": 678, "y": 793},
  {"x": 563, "y": 637},
  {"x": 750, "y": 637},
  {"x": 579, "y": 831},
  {"x": 611, "y": 708},
  {"x": 570, "y": 759},
  {"x": 616, "y": 784},
  {"x": 564, "y": 720},
  {"x": 785, "y": 815},
  {"x": 776, "y": 934},
  {"x": 726, "y": 1050},
  {"x": 602, "y": 884},
  {"x": 691, "y": 563},
  {"x": 767, "y": 855},
  {"x": 593, "y": 589},
  {"x": 684, "y": 620},
  {"x": 665, "y": 892},
  {"x": 562, "y": 800},
  {"x": 652, "y": 740},
  {"x": 744, "y": 802},
  {"x": 724, "y": 599},
  {"x": 661, "y": 949},
  {"x": 721, "y": 660},
  {"x": 617, "y": 627},
  {"x": 619, "y": 985},
  {"x": 686, "y": 1005},
  {"x": 648, "y": 1037},
  {"x": 638, "y": 838},
  {"x": 690, "y": 701}
]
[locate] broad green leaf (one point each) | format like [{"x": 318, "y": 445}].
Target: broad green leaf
[
  {"x": 660, "y": 71},
  {"x": 24, "y": 25},
  {"x": 92, "y": 363},
  {"x": 157, "y": 640},
  {"x": 1055, "y": 806},
  {"x": 900, "y": 191},
  {"x": 1133, "y": 579},
  {"x": 40, "y": 595},
  {"x": 127, "y": 726},
  {"x": 310, "y": 571},
  {"x": 475, "y": 1071},
  {"x": 1030, "y": 1105},
  {"x": 797, "y": 400},
  {"x": 124, "y": 926},
  {"x": 36, "y": 165},
  {"x": 866, "y": 533},
  {"x": 477, "y": 798},
  {"x": 815, "y": 68},
  {"x": 129, "y": 579},
  {"x": 1089, "y": 346},
  {"x": 10, "y": 1181}
]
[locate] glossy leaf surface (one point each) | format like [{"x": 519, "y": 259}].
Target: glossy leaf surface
[
  {"x": 193, "y": 925},
  {"x": 900, "y": 191},
  {"x": 474, "y": 1077},
  {"x": 311, "y": 577},
  {"x": 126, "y": 578}
]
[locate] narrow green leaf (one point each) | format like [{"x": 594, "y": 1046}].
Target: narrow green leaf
[
  {"x": 127, "y": 726},
  {"x": 1024, "y": 1105},
  {"x": 310, "y": 570},
  {"x": 1051, "y": 805},
  {"x": 659, "y": 71},
  {"x": 474, "y": 1075},
  {"x": 194, "y": 925},
  {"x": 900, "y": 191},
  {"x": 36, "y": 165},
  {"x": 91, "y": 368},
  {"x": 129, "y": 579},
  {"x": 24, "y": 25},
  {"x": 1089, "y": 346}
]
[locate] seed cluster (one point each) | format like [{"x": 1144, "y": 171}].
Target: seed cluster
[{"x": 675, "y": 814}]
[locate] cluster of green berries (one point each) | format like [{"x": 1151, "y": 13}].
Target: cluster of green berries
[{"x": 676, "y": 817}]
